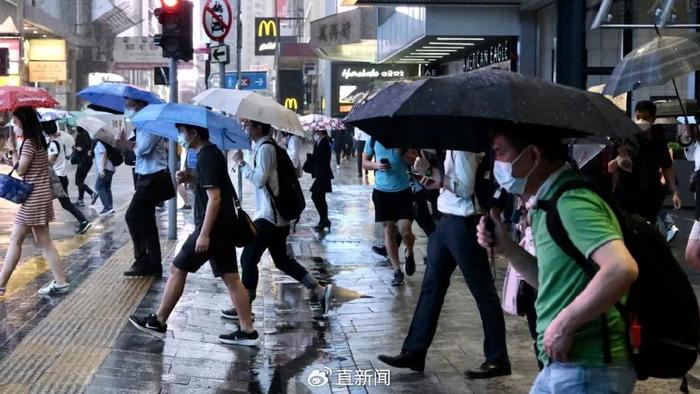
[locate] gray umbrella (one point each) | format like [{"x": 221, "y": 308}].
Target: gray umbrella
[
  {"x": 458, "y": 111},
  {"x": 655, "y": 63}
]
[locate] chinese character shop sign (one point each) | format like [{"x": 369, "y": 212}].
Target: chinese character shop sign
[
  {"x": 339, "y": 29},
  {"x": 266, "y": 33},
  {"x": 217, "y": 19}
]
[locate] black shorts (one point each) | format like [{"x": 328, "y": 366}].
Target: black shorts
[
  {"x": 392, "y": 206},
  {"x": 221, "y": 255}
]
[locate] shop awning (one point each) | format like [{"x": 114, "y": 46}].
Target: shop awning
[{"x": 347, "y": 36}]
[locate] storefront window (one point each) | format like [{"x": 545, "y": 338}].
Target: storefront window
[{"x": 646, "y": 14}]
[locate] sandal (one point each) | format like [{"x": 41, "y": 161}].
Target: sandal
[{"x": 2, "y": 291}]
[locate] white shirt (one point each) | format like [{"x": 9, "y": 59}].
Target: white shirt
[
  {"x": 293, "y": 150},
  {"x": 262, "y": 173},
  {"x": 460, "y": 167},
  {"x": 68, "y": 143},
  {"x": 361, "y": 135},
  {"x": 693, "y": 153},
  {"x": 56, "y": 148}
]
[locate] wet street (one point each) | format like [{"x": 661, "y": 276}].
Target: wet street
[{"x": 82, "y": 342}]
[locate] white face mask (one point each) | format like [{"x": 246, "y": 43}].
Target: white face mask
[
  {"x": 317, "y": 137},
  {"x": 643, "y": 124},
  {"x": 17, "y": 130},
  {"x": 503, "y": 171},
  {"x": 129, "y": 113}
]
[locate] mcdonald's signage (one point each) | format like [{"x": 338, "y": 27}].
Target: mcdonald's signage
[
  {"x": 291, "y": 103},
  {"x": 267, "y": 32}
]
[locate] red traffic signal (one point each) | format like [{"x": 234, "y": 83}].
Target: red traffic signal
[{"x": 169, "y": 3}]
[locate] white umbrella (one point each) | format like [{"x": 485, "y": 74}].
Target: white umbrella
[
  {"x": 250, "y": 105},
  {"x": 98, "y": 129}
]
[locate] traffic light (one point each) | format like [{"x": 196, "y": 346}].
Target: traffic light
[{"x": 175, "y": 17}]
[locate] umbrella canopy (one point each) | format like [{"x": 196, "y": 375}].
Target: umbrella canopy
[
  {"x": 160, "y": 119},
  {"x": 253, "y": 106},
  {"x": 458, "y": 111},
  {"x": 51, "y": 114},
  {"x": 98, "y": 129},
  {"x": 112, "y": 95},
  {"x": 315, "y": 122},
  {"x": 655, "y": 63},
  {"x": 13, "y": 97}
]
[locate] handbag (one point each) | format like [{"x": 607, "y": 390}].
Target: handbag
[
  {"x": 308, "y": 166},
  {"x": 160, "y": 185},
  {"x": 518, "y": 296},
  {"x": 13, "y": 189},
  {"x": 75, "y": 157},
  {"x": 244, "y": 229},
  {"x": 56, "y": 186}
]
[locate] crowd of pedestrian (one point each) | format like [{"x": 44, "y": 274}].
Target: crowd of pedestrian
[{"x": 449, "y": 195}]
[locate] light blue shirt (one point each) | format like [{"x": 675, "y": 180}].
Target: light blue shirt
[
  {"x": 150, "y": 153},
  {"x": 99, "y": 151},
  {"x": 395, "y": 179}
]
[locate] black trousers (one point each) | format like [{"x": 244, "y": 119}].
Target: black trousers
[
  {"x": 141, "y": 220},
  {"x": 359, "y": 149},
  {"x": 274, "y": 239},
  {"x": 80, "y": 175},
  {"x": 453, "y": 244},
  {"x": 319, "y": 199},
  {"x": 67, "y": 204},
  {"x": 422, "y": 213}
]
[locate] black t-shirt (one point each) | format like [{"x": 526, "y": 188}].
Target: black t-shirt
[{"x": 211, "y": 169}]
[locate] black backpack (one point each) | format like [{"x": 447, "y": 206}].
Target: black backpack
[
  {"x": 114, "y": 155},
  {"x": 661, "y": 312},
  {"x": 290, "y": 202}
]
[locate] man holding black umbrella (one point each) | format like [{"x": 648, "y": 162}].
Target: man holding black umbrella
[
  {"x": 452, "y": 244},
  {"x": 153, "y": 186},
  {"x": 569, "y": 304}
]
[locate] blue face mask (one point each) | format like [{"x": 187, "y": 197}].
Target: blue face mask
[
  {"x": 129, "y": 113},
  {"x": 182, "y": 140}
]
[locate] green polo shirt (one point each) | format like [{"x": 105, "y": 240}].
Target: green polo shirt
[{"x": 591, "y": 224}]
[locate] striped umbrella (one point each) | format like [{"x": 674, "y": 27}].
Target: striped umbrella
[
  {"x": 316, "y": 122},
  {"x": 655, "y": 63}
]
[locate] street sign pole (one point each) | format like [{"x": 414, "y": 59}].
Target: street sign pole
[
  {"x": 239, "y": 42},
  {"x": 172, "y": 156}
]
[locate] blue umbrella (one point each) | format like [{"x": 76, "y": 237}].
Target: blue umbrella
[
  {"x": 112, "y": 95},
  {"x": 160, "y": 119}
]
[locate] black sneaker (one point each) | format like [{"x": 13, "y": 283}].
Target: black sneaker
[
  {"x": 185, "y": 208},
  {"x": 79, "y": 203},
  {"x": 150, "y": 325},
  {"x": 94, "y": 198},
  {"x": 240, "y": 338},
  {"x": 138, "y": 270},
  {"x": 398, "y": 278},
  {"x": 84, "y": 227},
  {"x": 232, "y": 314},
  {"x": 380, "y": 250},
  {"x": 410, "y": 265}
]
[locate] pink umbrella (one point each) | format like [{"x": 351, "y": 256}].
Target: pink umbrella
[{"x": 316, "y": 122}]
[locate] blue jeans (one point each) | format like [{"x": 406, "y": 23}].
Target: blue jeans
[
  {"x": 571, "y": 378},
  {"x": 103, "y": 186},
  {"x": 453, "y": 244}
]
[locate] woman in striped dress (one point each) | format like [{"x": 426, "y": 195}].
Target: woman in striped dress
[{"x": 34, "y": 215}]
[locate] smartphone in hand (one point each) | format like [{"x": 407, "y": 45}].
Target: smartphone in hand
[{"x": 385, "y": 161}]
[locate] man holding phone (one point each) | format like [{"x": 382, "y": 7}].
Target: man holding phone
[{"x": 393, "y": 203}]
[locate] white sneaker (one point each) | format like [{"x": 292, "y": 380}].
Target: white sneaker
[
  {"x": 671, "y": 233},
  {"x": 52, "y": 288}
]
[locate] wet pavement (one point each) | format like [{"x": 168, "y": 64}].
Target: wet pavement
[{"x": 81, "y": 342}]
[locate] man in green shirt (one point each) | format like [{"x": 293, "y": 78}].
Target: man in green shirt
[{"x": 569, "y": 304}]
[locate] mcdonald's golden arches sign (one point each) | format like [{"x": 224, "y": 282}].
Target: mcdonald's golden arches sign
[{"x": 267, "y": 31}]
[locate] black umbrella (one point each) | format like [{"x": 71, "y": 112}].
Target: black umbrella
[{"x": 458, "y": 111}]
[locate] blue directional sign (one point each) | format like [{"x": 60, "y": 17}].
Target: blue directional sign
[{"x": 250, "y": 80}]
